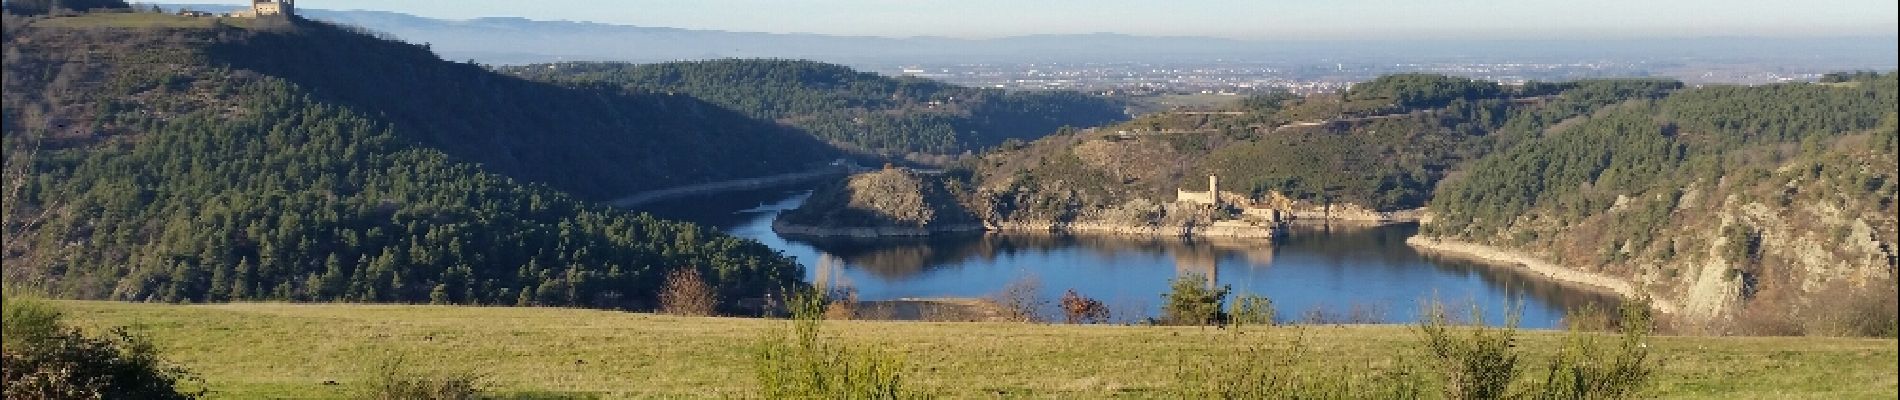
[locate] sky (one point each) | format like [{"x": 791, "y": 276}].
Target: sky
[{"x": 1262, "y": 19}]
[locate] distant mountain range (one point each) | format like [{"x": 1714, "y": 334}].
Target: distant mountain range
[{"x": 509, "y": 40}]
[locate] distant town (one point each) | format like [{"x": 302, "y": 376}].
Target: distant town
[{"x": 1243, "y": 78}]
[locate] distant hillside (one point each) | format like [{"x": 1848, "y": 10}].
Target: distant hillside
[
  {"x": 856, "y": 109},
  {"x": 311, "y": 162},
  {"x": 1383, "y": 146},
  {"x": 1772, "y": 207},
  {"x": 1377, "y": 150}
]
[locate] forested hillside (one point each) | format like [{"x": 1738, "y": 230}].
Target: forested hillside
[
  {"x": 860, "y": 110},
  {"x": 1772, "y": 204},
  {"x": 1382, "y": 146},
  {"x": 309, "y": 162},
  {"x": 1435, "y": 124}
]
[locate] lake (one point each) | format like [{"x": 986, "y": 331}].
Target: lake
[{"x": 1314, "y": 273}]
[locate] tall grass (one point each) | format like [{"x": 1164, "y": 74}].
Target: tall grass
[
  {"x": 1477, "y": 362},
  {"x": 1480, "y": 362},
  {"x": 1250, "y": 309},
  {"x": 1288, "y": 371},
  {"x": 393, "y": 379},
  {"x": 1462, "y": 359},
  {"x": 801, "y": 364},
  {"x": 1590, "y": 367}
]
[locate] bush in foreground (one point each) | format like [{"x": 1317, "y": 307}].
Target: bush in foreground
[
  {"x": 1192, "y": 300},
  {"x": 801, "y": 365},
  {"x": 394, "y": 380},
  {"x": 1479, "y": 362},
  {"x": 45, "y": 359},
  {"x": 1288, "y": 371}
]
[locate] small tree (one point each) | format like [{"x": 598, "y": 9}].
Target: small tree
[
  {"x": 1191, "y": 301},
  {"x": 1079, "y": 309},
  {"x": 686, "y": 293},
  {"x": 1021, "y": 300}
]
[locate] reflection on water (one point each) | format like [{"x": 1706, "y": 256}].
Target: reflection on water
[{"x": 1313, "y": 268}]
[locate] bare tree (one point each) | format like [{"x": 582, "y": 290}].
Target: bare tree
[
  {"x": 686, "y": 293},
  {"x": 1021, "y": 300},
  {"x": 19, "y": 221}
]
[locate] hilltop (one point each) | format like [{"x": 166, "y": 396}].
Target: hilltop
[
  {"x": 856, "y": 110},
  {"x": 233, "y": 160}
]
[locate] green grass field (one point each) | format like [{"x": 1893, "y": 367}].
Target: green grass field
[{"x": 290, "y": 351}]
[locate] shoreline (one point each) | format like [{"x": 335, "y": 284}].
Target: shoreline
[
  {"x": 1501, "y": 257},
  {"x": 1234, "y": 231}
]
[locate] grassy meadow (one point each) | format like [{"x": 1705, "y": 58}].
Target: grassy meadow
[{"x": 323, "y": 351}]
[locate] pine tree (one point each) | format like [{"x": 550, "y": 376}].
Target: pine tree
[
  {"x": 243, "y": 279},
  {"x": 439, "y": 295}
]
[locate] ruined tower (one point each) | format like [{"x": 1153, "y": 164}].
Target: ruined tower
[
  {"x": 1213, "y": 189},
  {"x": 269, "y": 8}
]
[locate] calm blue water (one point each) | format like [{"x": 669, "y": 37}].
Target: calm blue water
[{"x": 1336, "y": 274}]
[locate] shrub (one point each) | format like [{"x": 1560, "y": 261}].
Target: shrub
[
  {"x": 1079, "y": 309},
  {"x": 1264, "y": 371},
  {"x": 1355, "y": 313},
  {"x": 1021, "y": 300},
  {"x": 1250, "y": 310},
  {"x": 394, "y": 380},
  {"x": 1587, "y": 369},
  {"x": 1588, "y": 318},
  {"x": 1478, "y": 362},
  {"x": 686, "y": 293},
  {"x": 802, "y": 365},
  {"x": 1190, "y": 301},
  {"x": 27, "y": 322},
  {"x": 840, "y": 303},
  {"x": 44, "y": 359},
  {"x": 1841, "y": 309}
]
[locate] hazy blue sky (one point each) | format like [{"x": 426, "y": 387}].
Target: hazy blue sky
[{"x": 1265, "y": 19}]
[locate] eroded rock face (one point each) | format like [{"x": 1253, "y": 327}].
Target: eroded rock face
[{"x": 893, "y": 194}]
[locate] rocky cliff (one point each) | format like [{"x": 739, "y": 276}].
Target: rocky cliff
[{"x": 1764, "y": 210}]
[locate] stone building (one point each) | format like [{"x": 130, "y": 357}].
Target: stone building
[
  {"x": 1273, "y": 211},
  {"x": 1210, "y": 197},
  {"x": 271, "y": 8}
]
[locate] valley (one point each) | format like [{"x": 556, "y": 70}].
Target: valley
[{"x": 293, "y": 207}]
